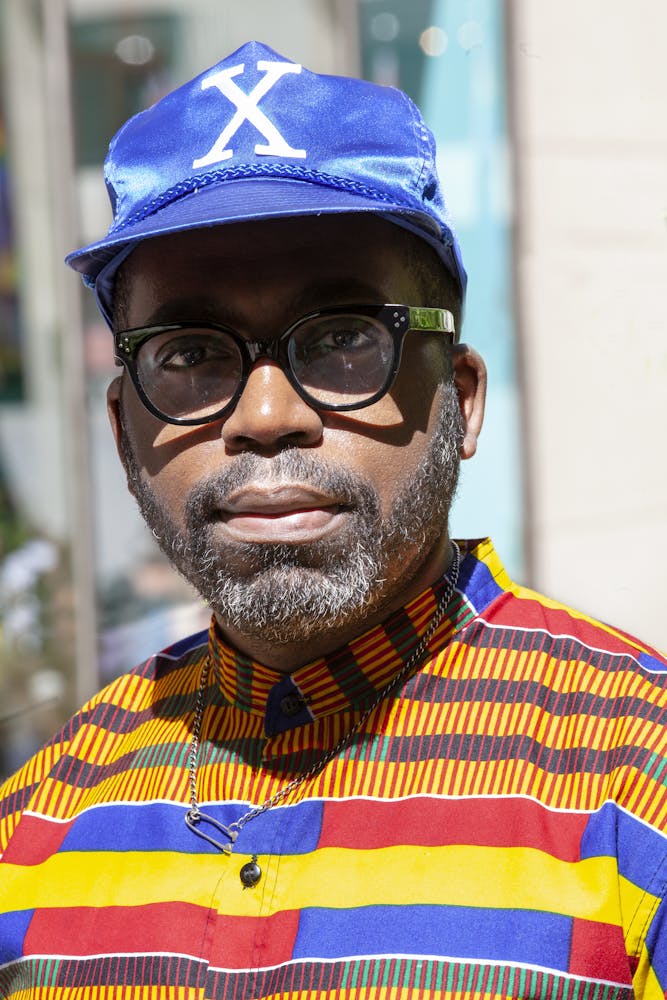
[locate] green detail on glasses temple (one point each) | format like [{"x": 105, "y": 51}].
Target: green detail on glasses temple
[{"x": 339, "y": 358}]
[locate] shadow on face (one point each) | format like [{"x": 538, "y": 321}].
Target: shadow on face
[{"x": 259, "y": 277}]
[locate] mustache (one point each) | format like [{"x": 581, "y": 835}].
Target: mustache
[{"x": 291, "y": 466}]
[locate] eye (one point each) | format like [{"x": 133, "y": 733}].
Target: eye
[
  {"x": 342, "y": 334},
  {"x": 186, "y": 351},
  {"x": 345, "y": 339},
  {"x": 185, "y": 355}
]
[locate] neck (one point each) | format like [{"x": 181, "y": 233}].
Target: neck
[{"x": 287, "y": 657}]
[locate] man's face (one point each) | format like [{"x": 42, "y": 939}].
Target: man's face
[{"x": 295, "y": 524}]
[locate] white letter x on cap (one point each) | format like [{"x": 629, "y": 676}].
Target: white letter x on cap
[{"x": 247, "y": 109}]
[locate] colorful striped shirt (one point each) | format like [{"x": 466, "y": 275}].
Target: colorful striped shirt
[{"x": 495, "y": 829}]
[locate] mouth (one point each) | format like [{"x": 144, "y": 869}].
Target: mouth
[{"x": 286, "y": 513}]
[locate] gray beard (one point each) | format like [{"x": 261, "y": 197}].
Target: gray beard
[{"x": 284, "y": 593}]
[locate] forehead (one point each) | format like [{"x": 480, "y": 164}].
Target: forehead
[{"x": 322, "y": 260}]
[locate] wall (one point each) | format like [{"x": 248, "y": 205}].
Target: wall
[{"x": 589, "y": 83}]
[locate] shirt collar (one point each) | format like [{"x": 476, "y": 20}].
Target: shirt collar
[{"x": 351, "y": 676}]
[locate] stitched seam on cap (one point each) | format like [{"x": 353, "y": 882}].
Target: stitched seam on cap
[
  {"x": 192, "y": 184},
  {"x": 418, "y": 132}
]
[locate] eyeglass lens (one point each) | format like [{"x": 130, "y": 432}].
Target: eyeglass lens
[
  {"x": 337, "y": 360},
  {"x": 190, "y": 372}
]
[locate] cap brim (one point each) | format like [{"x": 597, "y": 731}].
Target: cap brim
[
  {"x": 237, "y": 201},
  {"x": 247, "y": 200}
]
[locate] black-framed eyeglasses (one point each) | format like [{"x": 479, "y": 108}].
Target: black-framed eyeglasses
[{"x": 339, "y": 358}]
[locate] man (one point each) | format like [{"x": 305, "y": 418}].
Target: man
[{"x": 386, "y": 771}]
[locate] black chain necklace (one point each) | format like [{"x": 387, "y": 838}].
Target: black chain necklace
[{"x": 251, "y": 873}]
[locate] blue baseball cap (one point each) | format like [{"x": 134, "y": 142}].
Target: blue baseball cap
[{"x": 261, "y": 137}]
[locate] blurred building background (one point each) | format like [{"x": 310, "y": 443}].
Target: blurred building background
[{"x": 553, "y": 152}]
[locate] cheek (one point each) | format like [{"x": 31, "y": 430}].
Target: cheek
[
  {"x": 395, "y": 468},
  {"x": 395, "y": 440},
  {"x": 171, "y": 459},
  {"x": 174, "y": 479}
]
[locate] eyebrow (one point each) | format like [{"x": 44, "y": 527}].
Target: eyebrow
[
  {"x": 309, "y": 299},
  {"x": 331, "y": 293},
  {"x": 177, "y": 309}
]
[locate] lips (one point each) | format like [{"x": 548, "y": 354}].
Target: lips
[{"x": 289, "y": 513}]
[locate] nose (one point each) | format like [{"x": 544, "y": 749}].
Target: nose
[{"x": 270, "y": 414}]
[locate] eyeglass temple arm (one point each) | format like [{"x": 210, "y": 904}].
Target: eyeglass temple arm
[{"x": 433, "y": 320}]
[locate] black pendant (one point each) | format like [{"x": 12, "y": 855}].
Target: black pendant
[{"x": 251, "y": 873}]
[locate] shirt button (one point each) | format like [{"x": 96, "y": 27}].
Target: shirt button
[
  {"x": 251, "y": 873},
  {"x": 291, "y": 705}
]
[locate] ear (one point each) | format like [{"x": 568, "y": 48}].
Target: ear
[
  {"x": 470, "y": 381},
  {"x": 113, "y": 411}
]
